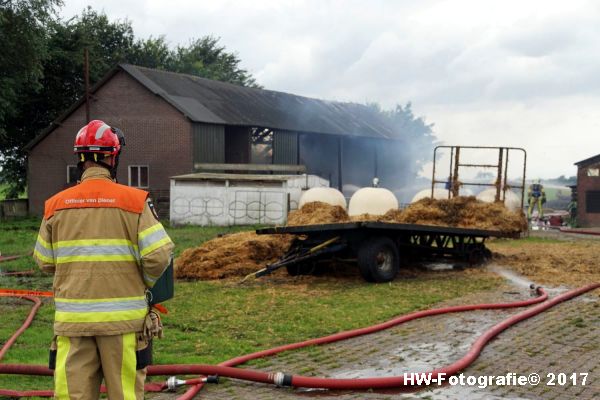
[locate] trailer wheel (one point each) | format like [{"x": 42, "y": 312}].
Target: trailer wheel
[
  {"x": 378, "y": 260},
  {"x": 478, "y": 255}
]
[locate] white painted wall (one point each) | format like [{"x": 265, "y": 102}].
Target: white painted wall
[{"x": 230, "y": 202}]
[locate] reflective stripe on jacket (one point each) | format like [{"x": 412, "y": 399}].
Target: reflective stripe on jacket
[{"x": 105, "y": 247}]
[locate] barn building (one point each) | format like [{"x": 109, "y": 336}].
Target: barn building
[
  {"x": 588, "y": 192},
  {"x": 180, "y": 124}
]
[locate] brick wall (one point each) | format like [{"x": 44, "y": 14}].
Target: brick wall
[
  {"x": 584, "y": 184},
  {"x": 156, "y": 135}
]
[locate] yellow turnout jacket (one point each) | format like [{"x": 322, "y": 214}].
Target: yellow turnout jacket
[{"x": 105, "y": 248}]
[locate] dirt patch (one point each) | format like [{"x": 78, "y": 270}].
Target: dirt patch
[{"x": 572, "y": 264}]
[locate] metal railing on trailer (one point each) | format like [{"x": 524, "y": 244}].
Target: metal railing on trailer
[{"x": 501, "y": 183}]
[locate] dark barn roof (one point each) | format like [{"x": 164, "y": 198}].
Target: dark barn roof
[
  {"x": 205, "y": 100},
  {"x": 588, "y": 161},
  {"x": 215, "y": 102}
]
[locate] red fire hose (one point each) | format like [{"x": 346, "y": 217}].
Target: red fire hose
[
  {"x": 37, "y": 303},
  {"x": 542, "y": 296},
  {"x": 226, "y": 369},
  {"x": 580, "y": 231}
]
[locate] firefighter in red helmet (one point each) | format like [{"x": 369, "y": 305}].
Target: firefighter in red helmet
[{"x": 107, "y": 250}]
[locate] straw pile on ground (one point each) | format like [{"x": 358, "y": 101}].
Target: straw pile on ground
[
  {"x": 242, "y": 253},
  {"x": 569, "y": 264},
  {"x": 237, "y": 254}
]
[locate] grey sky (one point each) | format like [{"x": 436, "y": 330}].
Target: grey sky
[{"x": 499, "y": 73}]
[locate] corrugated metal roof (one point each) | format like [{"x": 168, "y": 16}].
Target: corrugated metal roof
[
  {"x": 208, "y": 101},
  {"x": 214, "y": 102},
  {"x": 588, "y": 161}
]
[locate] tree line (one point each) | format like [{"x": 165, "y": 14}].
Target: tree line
[
  {"x": 42, "y": 68},
  {"x": 42, "y": 62}
]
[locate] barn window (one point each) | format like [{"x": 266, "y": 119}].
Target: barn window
[
  {"x": 72, "y": 174},
  {"x": 592, "y": 201},
  {"x": 138, "y": 176},
  {"x": 593, "y": 172},
  {"x": 261, "y": 146}
]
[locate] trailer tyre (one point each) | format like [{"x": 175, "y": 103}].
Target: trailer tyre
[
  {"x": 378, "y": 260},
  {"x": 478, "y": 255}
]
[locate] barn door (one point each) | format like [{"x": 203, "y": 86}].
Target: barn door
[{"x": 285, "y": 148}]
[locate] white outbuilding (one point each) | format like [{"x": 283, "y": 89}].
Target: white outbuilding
[{"x": 237, "y": 199}]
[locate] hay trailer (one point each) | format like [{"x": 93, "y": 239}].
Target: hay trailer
[{"x": 379, "y": 248}]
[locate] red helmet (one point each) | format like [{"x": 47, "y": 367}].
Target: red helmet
[{"x": 98, "y": 137}]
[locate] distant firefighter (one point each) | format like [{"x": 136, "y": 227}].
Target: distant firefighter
[{"x": 536, "y": 196}]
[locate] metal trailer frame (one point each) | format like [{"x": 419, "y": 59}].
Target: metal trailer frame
[
  {"x": 501, "y": 183},
  {"x": 371, "y": 242}
]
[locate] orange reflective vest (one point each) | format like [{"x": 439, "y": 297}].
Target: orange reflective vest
[{"x": 97, "y": 193}]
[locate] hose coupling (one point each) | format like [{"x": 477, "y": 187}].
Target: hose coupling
[
  {"x": 211, "y": 379},
  {"x": 534, "y": 290},
  {"x": 173, "y": 383},
  {"x": 281, "y": 379}
]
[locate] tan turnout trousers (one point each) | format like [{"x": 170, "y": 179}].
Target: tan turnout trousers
[{"x": 82, "y": 363}]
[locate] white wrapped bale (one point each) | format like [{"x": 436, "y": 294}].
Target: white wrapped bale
[
  {"x": 327, "y": 195},
  {"x": 373, "y": 201}
]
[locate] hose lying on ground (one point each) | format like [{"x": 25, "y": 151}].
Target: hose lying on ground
[
  {"x": 227, "y": 369},
  {"x": 17, "y": 273}
]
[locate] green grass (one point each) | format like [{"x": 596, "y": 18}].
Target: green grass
[
  {"x": 520, "y": 242},
  {"x": 210, "y": 322},
  {"x": 18, "y": 236},
  {"x": 555, "y": 193}
]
